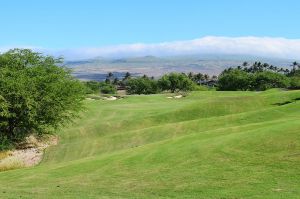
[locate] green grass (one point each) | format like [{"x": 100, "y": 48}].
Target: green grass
[{"x": 208, "y": 145}]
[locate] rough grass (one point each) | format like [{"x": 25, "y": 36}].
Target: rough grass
[
  {"x": 10, "y": 163},
  {"x": 206, "y": 145},
  {"x": 3, "y": 154}
]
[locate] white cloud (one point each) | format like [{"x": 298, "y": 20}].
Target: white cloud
[{"x": 255, "y": 46}]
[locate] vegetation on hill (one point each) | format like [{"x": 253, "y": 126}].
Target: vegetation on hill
[
  {"x": 142, "y": 85},
  {"x": 256, "y": 77},
  {"x": 37, "y": 95},
  {"x": 94, "y": 87},
  {"x": 173, "y": 82},
  {"x": 259, "y": 77}
]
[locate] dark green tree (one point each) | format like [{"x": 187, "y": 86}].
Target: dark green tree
[
  {"x": 116, "y": 81},
  {"x": 234, "y": 79},
  {"x": 92, "y": 87},
  {"x": 107, "y": 88},
  {"x": 268, "y": 79},
  {"x": 127, "y": 76},
  {"x": 142, "y": 85},
  {"x": 295, "y": 82},
  {"x": 38, "y": 95},
  {"x": 175, "y": 82}
]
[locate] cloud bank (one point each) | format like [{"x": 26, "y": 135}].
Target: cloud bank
[{"x": 253, "y": 46}]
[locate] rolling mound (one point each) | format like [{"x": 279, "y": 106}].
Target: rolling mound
[{"x": 206, "y": 145}]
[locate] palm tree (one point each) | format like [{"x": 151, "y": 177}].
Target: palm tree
[
  {"x": 287, "y": 71},
  {"x": 191, "y": 75},
  {"x": 127, "y": 76},
  {"x": 245, "y": 64},
  {"x": 198, "y": 77},
  {"x": 206, "y": 77},
  {"x": 265, "y": 66},
  {"x": 116, "y": 81},
  {"x": 295, "y": 65},
  {"x": 281, "y": 70},
  {"x": 214, "y": 77},
  {"x": 107, "y": 81},
  {"x": 110, "y": 74},
  {"x": 145, "y": 76}
]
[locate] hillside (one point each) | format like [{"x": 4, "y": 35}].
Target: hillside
[
  {"x": 206, "y": 145},
  {"x": 97, "y": 68}
]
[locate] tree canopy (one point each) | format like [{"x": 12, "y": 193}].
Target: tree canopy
[
  {"x": 37, "y": 94},
  {"x": 175, "y": 82},
  {"x": 142, "y": 85},
  {"x": 258, "y": 76}
]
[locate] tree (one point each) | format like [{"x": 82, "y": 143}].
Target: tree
[
  {"x": 109, "y": 78},
  {"x": 107, "y": 81},
  {"x": 198, "y": 78},
  {"x": 116, "y": 81},
  {"x": 295, "y": 82},
  {"x": 142, "y": 85},
  {"x": 234, "y": 79},
  {"x": 206, "y": 77},
  {"x": 107, "y": 88},
  {"x": 267, "y": 79},
  {"x": 127, "y": 76},
  {"x": 175, "y": 82},
  {"x": 37, "y": 94},
  {"x": 110, "y": 74},
  {"x": 295, "y": 71},
  {"x": 145, "y": 76},
  {"x": 259, "y": 76},
  {"x": 92, "y": 87},
  {"x": 4, "y": 113},
  {"x": 214, "y": 78},
  {"x": 245, "y": 64},
  {"x": 191, "y": 76}
]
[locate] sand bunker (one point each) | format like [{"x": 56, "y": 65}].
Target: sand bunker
[
  {"x": 29, "y": 154},
  {"x": 175, "y": 97},
  {"x": 111, "y": 98}
]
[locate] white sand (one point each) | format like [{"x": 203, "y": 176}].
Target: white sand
[{"x": 30, "y": 155}]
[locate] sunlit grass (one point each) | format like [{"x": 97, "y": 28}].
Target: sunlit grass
[{"x": 206, "y": 145}]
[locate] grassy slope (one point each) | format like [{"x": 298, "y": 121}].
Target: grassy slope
[{"x": 207, "y": 145}]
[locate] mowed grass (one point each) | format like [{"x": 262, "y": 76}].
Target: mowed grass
[{"x": 207, "y": 145}]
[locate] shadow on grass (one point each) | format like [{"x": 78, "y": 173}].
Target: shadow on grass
[{"x": 287, "y": 102}]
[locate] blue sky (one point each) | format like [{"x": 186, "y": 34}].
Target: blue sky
[
  {"x": 88, "y": 23},
  {"x": 95, "y": 28}
]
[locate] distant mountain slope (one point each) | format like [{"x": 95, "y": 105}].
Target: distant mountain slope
[{"x": 96, "y": 69}]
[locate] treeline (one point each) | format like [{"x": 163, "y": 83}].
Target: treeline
[
  {"x": 255, "y": 77},
  {"x": 173, "y": 82},
  {"x": 259, "y": 76}
]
